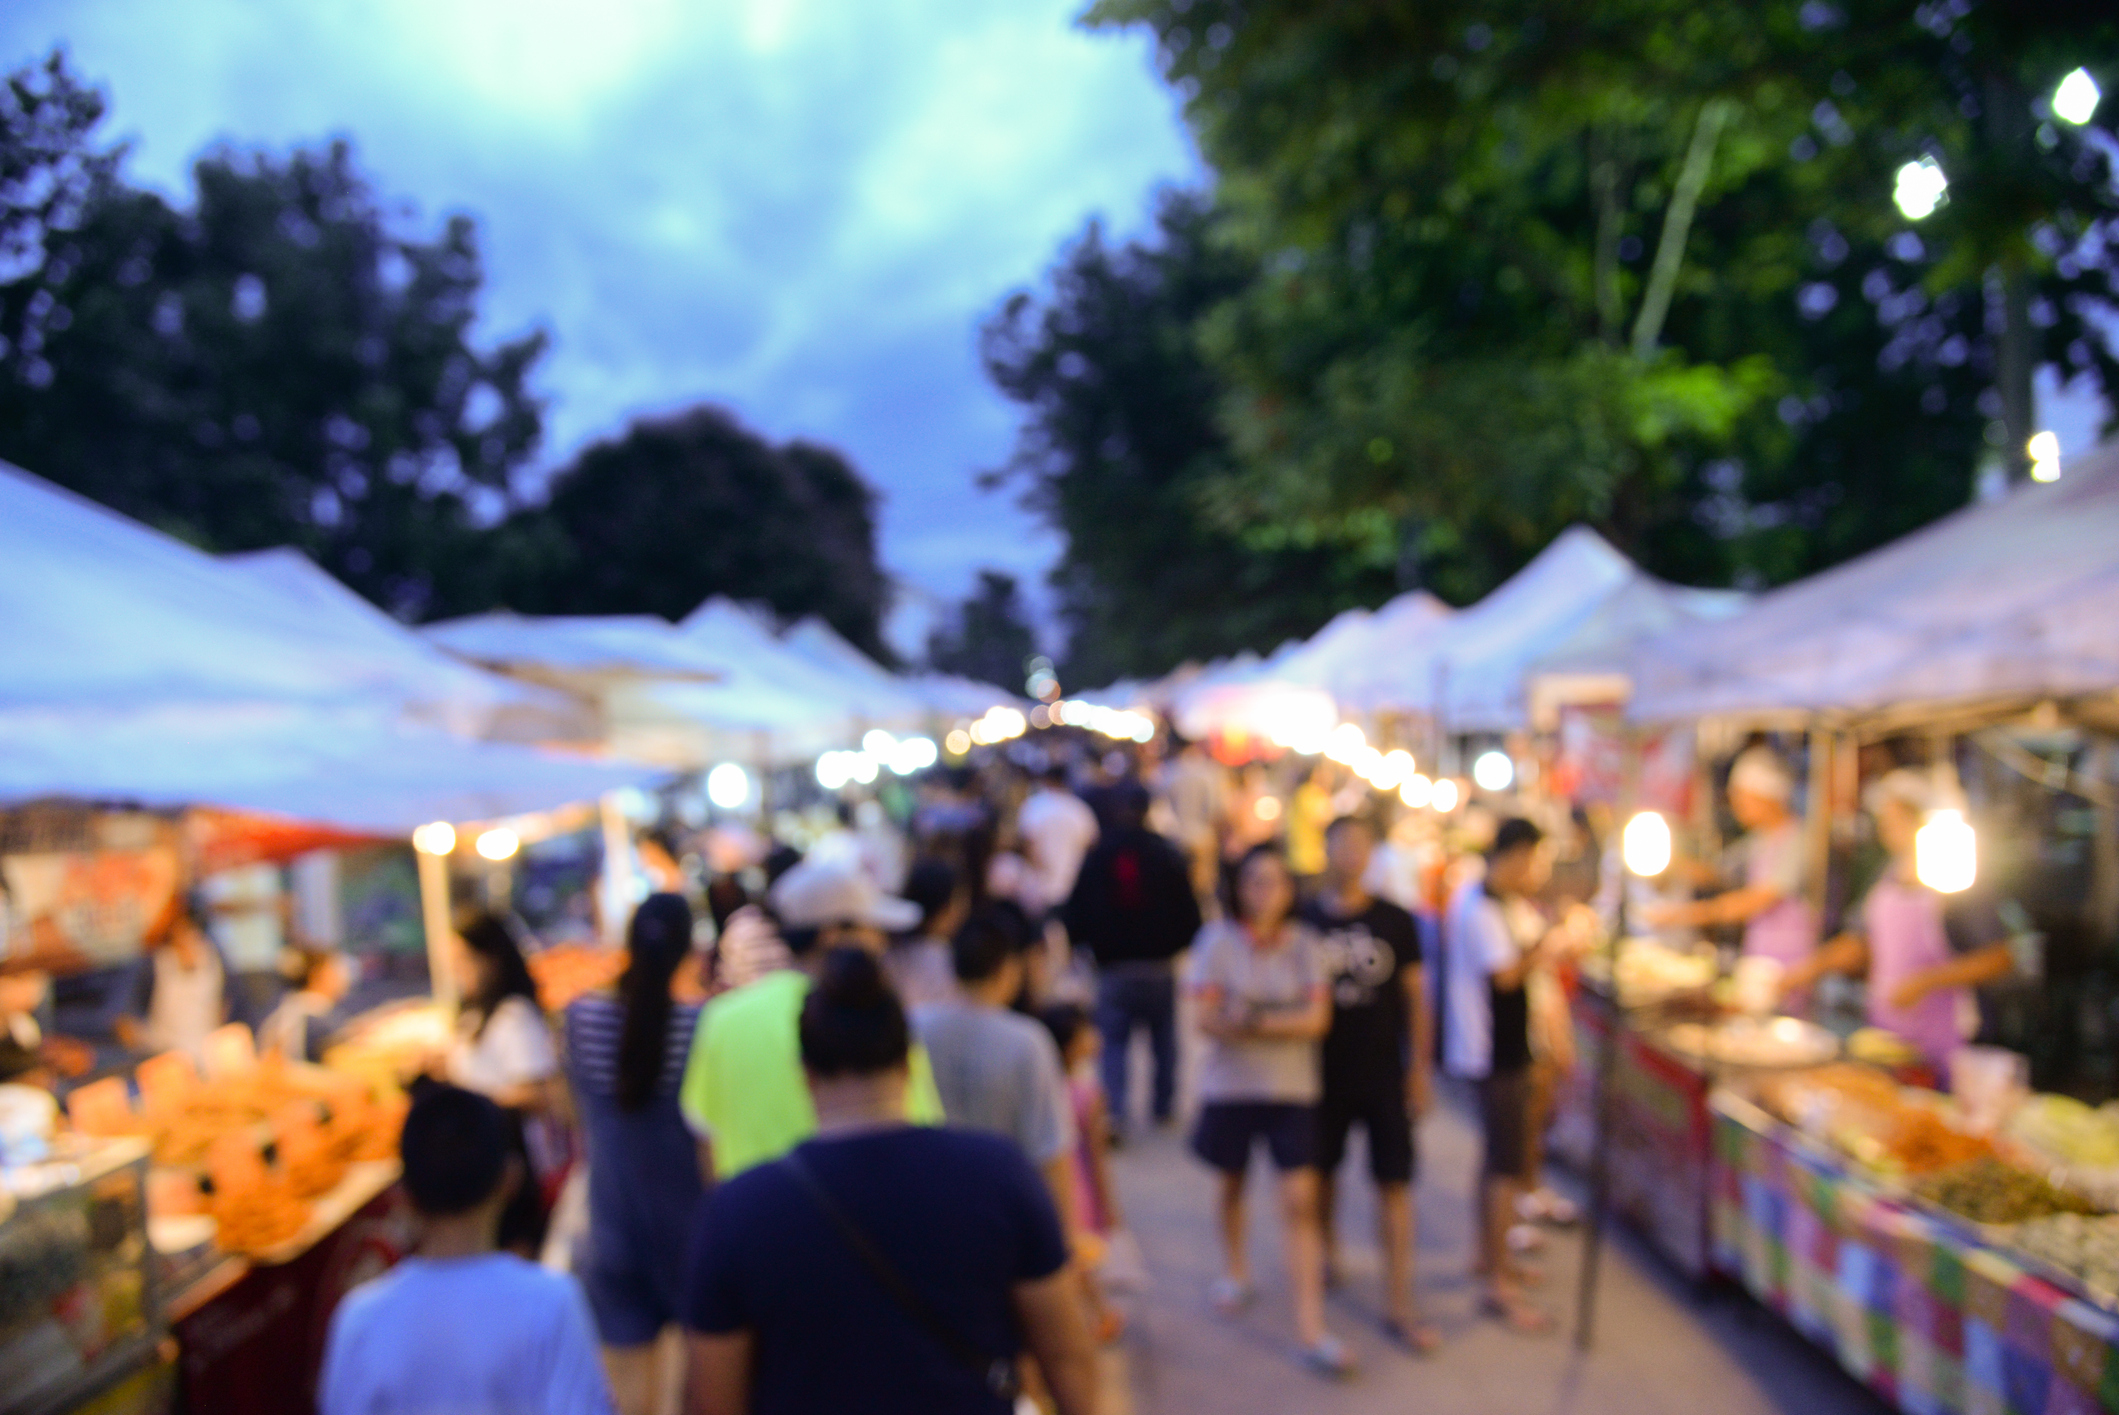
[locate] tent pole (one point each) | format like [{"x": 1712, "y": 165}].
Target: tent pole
[
  {"x": 617, "y": 871},
  {"x": 434, "y": 913}
]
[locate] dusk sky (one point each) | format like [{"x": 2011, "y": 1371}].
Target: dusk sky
[{"x": 797, "y": 208}]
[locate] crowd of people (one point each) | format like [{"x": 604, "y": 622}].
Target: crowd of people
[{"x": 850, "y": 1132}]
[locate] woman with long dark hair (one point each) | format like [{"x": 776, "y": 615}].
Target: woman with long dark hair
[
  {"x": 503, "y": 1050},
  {"x": 625, "y": 1053}
]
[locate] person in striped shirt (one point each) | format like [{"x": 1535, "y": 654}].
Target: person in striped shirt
[{"x": 625, "y": 1054}]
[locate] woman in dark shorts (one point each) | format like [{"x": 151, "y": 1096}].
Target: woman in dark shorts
[{"x": 1259, "y": 987}]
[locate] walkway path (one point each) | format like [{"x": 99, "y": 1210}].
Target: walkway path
[{"x": 1659, "y": 1348}]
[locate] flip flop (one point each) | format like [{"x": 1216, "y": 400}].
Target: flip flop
[
  {"x": 1418, "y": 1338},
  {"x": 1330, "y": 1359},
  {"x": 1517, "y": 1314}
]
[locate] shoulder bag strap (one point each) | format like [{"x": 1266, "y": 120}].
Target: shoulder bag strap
[{"x": 998, "y": 1372}]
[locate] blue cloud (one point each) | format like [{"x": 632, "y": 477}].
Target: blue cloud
[{"x": 797, "y": 208}]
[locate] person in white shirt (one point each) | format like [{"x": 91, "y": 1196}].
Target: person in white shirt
[
  {"x": 503, "y": 1050},
  {"x": 461, "y": 1328},
  {"x": 1058, "y": 829},
  {"x": 1490, "y": 947}
]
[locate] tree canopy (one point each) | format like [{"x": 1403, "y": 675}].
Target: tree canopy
[
  {"x": 681, "y": 508},
  {"x": 281, "y": 363},
  {"x": 1482, "y": 270},
  {"x": 989, "y": 636}
]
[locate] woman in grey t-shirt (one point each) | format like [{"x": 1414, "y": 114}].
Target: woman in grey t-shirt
[{"x": 1261, "y": 997}]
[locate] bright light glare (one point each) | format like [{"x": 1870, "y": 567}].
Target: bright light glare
[
  {"x": 434, "y": 838},
  {"x": 498, "y": 843},
  {"x": 2077, "y": 97},
  {"x": 1920, "y": 189},
  {"x": 728, "y": 786},
  {"x": 1946, "y": 853},
  {"x": 957, "y": 743},
  {"x": 1417, "y": 791},
  {"x": 1445, "y": 796},
  {"x": 1645, "y": 845},
  {"x": 911, "y": 755},
  {"x": 833, "y": 771},
  {"x": 878, "y": 743},
  {"x": 1345, "y": 744},
  {"x": 1267, "y": 809},
  {"x": 2044, "y": 448},
  {"x": 862, "y": 766},
  {"x": 1494, "y": 771}
]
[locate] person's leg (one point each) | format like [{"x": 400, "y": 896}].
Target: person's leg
[
  {"x": 1235, "y": 1260},
  {"x": 1328, "y": 1226},
  {"x": 1394, "y": 1231},
  {"x": 1159, "y": 1015},
  {"x": 1115, "y": 1025},
  {"x": 1305, "y": 1252},
  {"x": 634, "y": 1372}
]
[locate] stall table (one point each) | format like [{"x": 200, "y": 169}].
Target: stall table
[
  {"x": 251, "y": 1332},
  {"x": 1661, "y": 1138},
  {"x": 1911, "y": 1303}
]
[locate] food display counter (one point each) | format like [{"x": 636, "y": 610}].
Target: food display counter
[
  {"x": 1668, "y": 1063},
  {"x": 1925, "y": 1308}
]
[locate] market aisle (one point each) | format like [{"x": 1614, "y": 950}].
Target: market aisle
[{"x": 1657, "y": 1349}]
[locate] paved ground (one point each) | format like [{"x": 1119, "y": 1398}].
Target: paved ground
[{"x": 1659, "y": 1346}]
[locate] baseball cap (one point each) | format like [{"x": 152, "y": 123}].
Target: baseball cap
[{"x": 816, "y": 893}]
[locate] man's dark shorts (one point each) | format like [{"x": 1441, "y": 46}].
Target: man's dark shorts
[
  {"x": 1504, "y": 1114},
  {"x": 1380, "y": 1112},
  {"x": 1228, "y": 1130}
]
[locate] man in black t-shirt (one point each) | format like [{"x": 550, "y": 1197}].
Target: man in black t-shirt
[{"x": 1376, "y": 1058}]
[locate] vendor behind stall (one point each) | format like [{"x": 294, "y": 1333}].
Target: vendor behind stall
[
  {"x": 316, "y": 981},
  {"x": 1924, "y": 952},
  {"x": 1777, "y": 919},
  {"x": 180, "y": 991}
]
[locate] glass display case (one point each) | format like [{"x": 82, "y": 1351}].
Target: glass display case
[{"x": 78, "y": 1304}]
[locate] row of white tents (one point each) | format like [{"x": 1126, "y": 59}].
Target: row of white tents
[
  {"x": 135, "y": 668},
  {"x": 1996, "y": 608}
]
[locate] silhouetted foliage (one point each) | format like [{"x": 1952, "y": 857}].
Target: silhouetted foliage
[{"x": 990, "y": 639}]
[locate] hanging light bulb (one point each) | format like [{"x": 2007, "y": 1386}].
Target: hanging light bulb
[
  {"x": 1946, "y": 852},
  {"x": 1646, "y": 844}
]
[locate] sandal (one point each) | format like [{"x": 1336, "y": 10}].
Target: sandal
[
  {"x": 1330, "y": 1359},
  {"x": 1230, "y": 1296},
  {"x": 1416, "y": 1337},
  {"x": 1516, "y": 1313}
]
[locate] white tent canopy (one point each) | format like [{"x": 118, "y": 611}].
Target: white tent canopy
[
  {"x": 136, "y": 668},
  {"x": 343, "y": 770},
  {"x": 2012, "y": 602},
  {"x": 103, "y": 613},
  {"x": 1466, "y": 670}
]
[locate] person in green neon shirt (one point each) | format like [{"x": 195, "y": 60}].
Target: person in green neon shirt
[{"x": 744, "y": 1093}]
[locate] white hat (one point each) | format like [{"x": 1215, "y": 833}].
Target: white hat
[
  {"x": 817, "y": 893},
  {"x": 1758, "y": 771}
]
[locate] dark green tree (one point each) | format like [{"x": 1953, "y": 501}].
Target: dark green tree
[
  {"x": 1119, "y": 444},
  {"x": 989, "y": 637},
  {"x": 1632, "y": 263},
  {"x": 692, "y": 505},
  {"x": 276, "y": 364}
]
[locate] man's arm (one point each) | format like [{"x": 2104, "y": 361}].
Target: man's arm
[
  {"x": 1970, "y": 971},
  {"x": 717, "y": 1373},
  {"x": 1050, "y": 1313},
  {"x": 1420, "y": 1076}
]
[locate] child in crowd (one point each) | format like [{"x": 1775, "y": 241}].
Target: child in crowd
[
  {"x": 461, "y": 1328},
  {"x": 1096, "y": 1215}
]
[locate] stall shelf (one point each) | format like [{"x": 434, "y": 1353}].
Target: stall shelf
[
  {"x": 1910, "y": 1303},
  {"x": 78, "y": 1308}
]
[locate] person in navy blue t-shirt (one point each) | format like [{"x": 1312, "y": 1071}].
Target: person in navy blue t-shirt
[{"x": 787, "y": 1317}]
